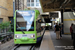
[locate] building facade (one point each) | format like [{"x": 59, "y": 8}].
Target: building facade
[
  {"x": 27, "y": 4},
  {"x": 6, "y": 10}
]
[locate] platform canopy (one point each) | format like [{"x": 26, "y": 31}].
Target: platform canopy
[{"x": 57, "y": 5}]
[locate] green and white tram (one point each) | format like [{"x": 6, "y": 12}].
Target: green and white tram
[{"x": 27, "y": 29}]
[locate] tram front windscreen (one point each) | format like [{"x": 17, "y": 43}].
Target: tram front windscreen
[{"x": 25, "y": 20}]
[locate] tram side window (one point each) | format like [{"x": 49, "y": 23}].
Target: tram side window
[{"x": 38, "y": 26}]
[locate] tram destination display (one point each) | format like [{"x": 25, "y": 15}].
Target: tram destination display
[{"x": 53, "y": 14}]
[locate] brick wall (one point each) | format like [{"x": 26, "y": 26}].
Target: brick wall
[{"x": 6, "y": 9}]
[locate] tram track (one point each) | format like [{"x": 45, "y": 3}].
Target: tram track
[
  {"x": 16, "y": 47},
  {"x": 28, "y": 47},
  {"x": 25, "y": 47}
]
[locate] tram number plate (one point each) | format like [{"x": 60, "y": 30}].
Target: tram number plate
[{"x": 24, "y": 35}]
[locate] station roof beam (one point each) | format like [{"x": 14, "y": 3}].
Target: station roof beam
[{"x": 57, "y": 5}]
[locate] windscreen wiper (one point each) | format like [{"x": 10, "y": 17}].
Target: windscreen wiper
[{"x": 20, "y": 29}]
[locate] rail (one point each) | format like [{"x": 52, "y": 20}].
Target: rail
[{"x": 25, "y": 47}]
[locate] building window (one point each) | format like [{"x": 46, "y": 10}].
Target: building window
[
  {"x": 28, "y": 4},
  {"x": 37, "y": 4},
  {"x": 1, "y": 19},
  {"x": 28, "y": 0},
  {"x": 33, "y": 3},
  {"x": 32, "y": 0},
  {"x": 37, "y": 0}
]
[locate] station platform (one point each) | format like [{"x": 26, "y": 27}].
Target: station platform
[{"x": 49, "y": 42}]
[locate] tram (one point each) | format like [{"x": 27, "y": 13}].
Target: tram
[{"x": 27, "y": 29}]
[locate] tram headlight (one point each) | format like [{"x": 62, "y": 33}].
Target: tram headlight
[
  {"x": 32, "y": 35},
  {"x": 0, "y": 42},
  {"x": 16, "y": 36}
]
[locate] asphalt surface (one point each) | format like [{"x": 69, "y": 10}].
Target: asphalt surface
[
  {"x": 66, "y": 43},
  {"x": 8, "y": 45}
]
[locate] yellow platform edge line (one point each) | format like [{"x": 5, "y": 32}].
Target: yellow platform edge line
[
  {"x": 68, "y": 19},
  {"x": 67, "y": 33}
]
